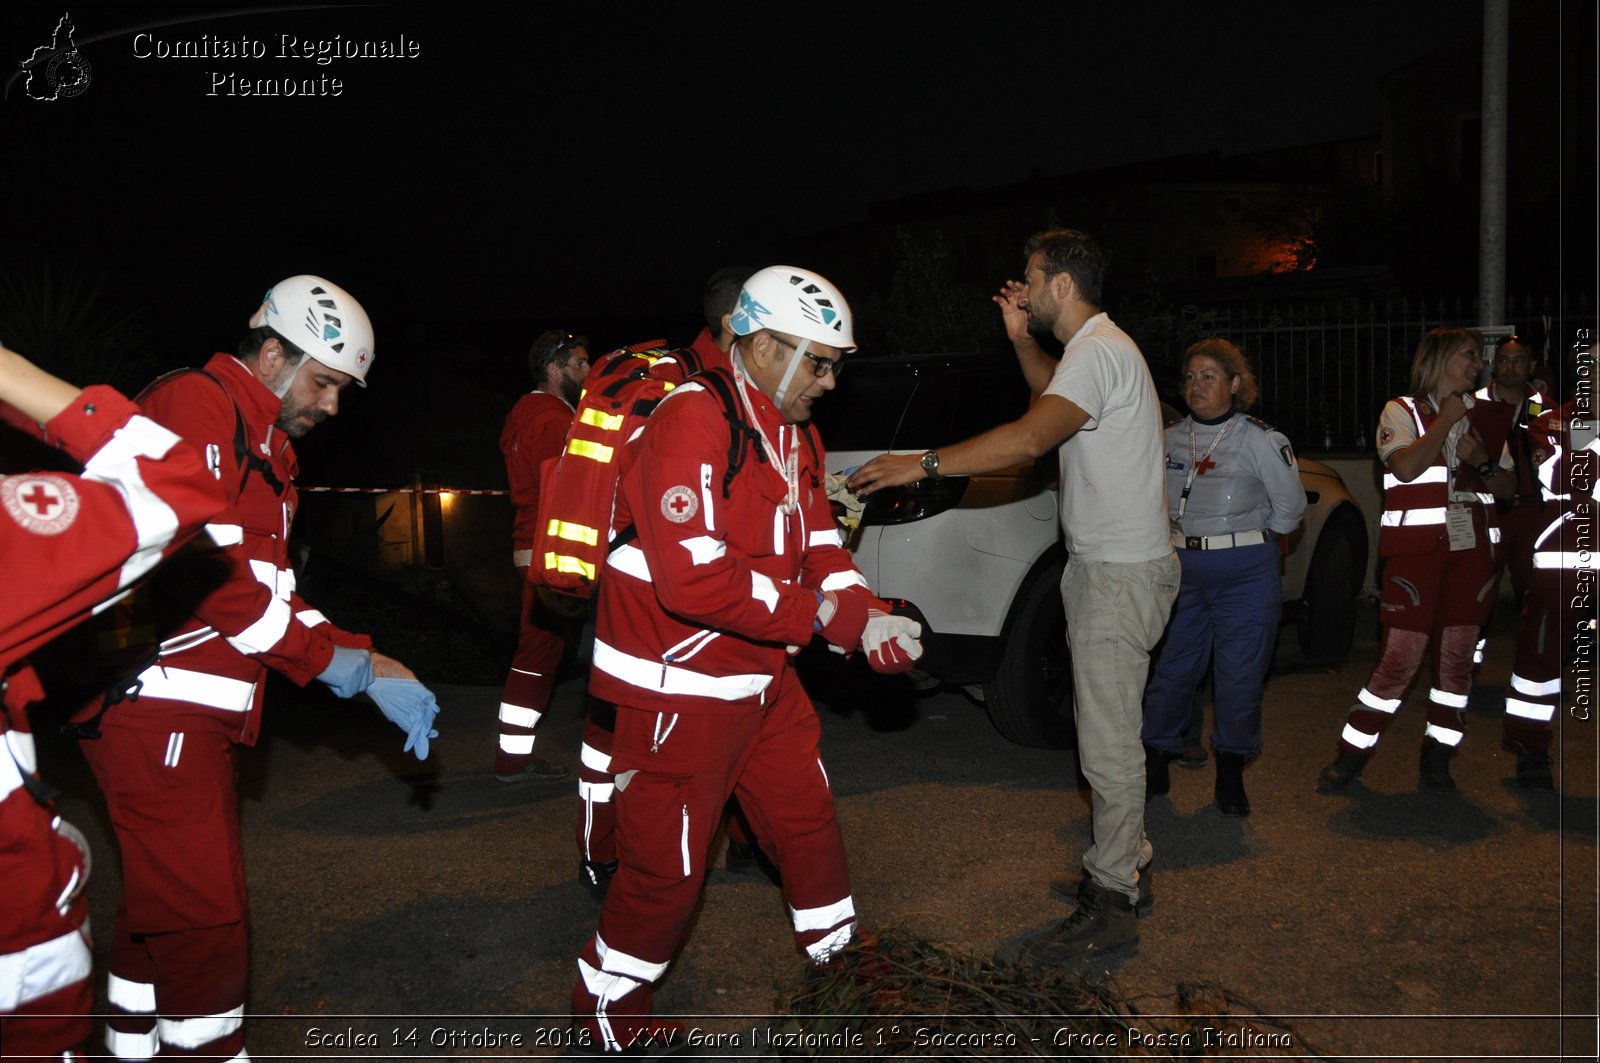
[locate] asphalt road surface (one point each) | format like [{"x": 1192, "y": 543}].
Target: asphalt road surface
[{"x": 406, "y": 911}]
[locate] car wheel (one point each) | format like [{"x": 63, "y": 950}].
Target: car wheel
[
  {"x": 1030, "y": 697},
  {"x": 1328, "y": 616}
]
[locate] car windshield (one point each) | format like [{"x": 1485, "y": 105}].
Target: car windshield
[{"x": 884, "y": 404}]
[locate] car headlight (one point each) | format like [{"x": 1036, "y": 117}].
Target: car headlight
[{"x": 918, "y": 501}]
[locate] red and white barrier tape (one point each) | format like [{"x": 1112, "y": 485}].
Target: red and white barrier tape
[{"x": 404, "y": 491}]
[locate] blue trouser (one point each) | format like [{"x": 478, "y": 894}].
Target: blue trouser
[{"x": 1228, "y": 604}]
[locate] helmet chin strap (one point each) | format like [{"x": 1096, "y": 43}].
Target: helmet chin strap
[
  {"x": 287, "y": 380},
  {"x": 781, "y": 395}
]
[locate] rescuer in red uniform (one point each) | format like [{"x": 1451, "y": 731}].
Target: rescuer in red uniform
[
  {"x": 1558, "y": 616},
  {"x": 716, "y": 581},
  {"x": 67, "y": 545},
  {"x": 165, "y": 758},
  {"x": 1437, "y": 539},
  {"x": 535, "y": 431},
  {"x": 597, "y": 818}
]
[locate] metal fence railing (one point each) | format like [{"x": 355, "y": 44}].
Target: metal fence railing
[{"x": 1326, "y": 369}]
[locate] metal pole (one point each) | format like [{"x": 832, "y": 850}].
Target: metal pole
[{"x": 1492, "y": 185}]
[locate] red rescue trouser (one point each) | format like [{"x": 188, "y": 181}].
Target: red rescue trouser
[
  {"x": 1520, "y": 526},
  {"x": 179, "y": 951},
  {"x": 45, "y": 991},
  {"x": 674, "y": 777},
  {"x": 1440, "y": 598},
  {"x": 1557, "y": 618},
  {"x": 597, "y": 812},
  {"x": 542, "y": 639}
]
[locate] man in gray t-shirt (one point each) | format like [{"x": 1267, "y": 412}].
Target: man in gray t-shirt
[{"x": 1099, "y": 405}]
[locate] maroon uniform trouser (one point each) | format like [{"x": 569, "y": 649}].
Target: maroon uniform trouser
[
  {"x": 674, "y": 777},
  {"x": 179, "y": 949},
  {"x": 597, "y": 814},
  {"x": 44, "y": 951},
  {"x": 1440, "y": 598},
  {"x": 542, "y": 639},
  {"x": 1557, "y": 617},
  {"x": 1520, "y": 525}
]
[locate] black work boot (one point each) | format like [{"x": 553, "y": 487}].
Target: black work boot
[
  {"x": 596, "y": 876},
  {"x": 1336, "y": 777},
  {"x": 1231, "y": 798},
  {"x": 1434, "y": 768},
  {"x": 1157, "y": 774},
  {"x": 746, "y": 858},
  {"x": 1070, "y": 889},
  {"x": 1103, "y": 927},
  {"x": 1534, "y": 772}
]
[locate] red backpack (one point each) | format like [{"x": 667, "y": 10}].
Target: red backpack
[{"x": 578, "y": 489}]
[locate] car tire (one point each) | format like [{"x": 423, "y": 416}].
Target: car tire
[
  {"x": 1030, "y": 697},
  {"x": 1333, "y": 581}
]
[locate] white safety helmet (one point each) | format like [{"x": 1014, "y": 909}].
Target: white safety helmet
[
  {"x": 797, "y": 302},
  {"x": 321, "y": 319}
]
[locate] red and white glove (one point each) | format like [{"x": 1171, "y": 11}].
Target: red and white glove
[
  {"x": 840, "y": 619},
  {"x": 893, "y": 643}
]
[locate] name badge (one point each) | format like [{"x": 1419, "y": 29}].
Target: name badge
[{"x": 1459, "y": 522}]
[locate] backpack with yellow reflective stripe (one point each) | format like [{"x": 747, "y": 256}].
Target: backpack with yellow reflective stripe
[{"x": 578, "y": 488}]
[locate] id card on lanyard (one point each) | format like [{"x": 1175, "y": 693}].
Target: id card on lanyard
[{"x": 1458, "y": 517}]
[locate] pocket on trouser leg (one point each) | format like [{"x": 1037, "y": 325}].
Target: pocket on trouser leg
[{"x": 656, "y": 825}]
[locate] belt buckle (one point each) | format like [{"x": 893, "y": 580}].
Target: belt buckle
[{"x": 1194, "y": 542}]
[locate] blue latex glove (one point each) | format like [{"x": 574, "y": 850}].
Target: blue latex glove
[
  {"x": 411, "y": 707},
  {"x": 349, "y": 673}
]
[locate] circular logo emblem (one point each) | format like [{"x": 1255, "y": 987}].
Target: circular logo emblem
[
  {"x": 679, "y": 504},
  {"x": 44, "y": 505},
  {"x": 68, "y": 74}
]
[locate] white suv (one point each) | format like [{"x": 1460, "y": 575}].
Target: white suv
[{"x": 980, "y": 557}]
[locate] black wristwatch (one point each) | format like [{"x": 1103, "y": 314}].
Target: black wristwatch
[
  {"x": 930, "y": 463},
  {"x": 1485, "y": 470}
]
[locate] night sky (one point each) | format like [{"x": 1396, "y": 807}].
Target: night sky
[{"x": 599, "y": 164}]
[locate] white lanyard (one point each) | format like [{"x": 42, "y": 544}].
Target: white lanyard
[
  {"x": 1194, "y": 464},
  {"x": 788, "y": 468}
]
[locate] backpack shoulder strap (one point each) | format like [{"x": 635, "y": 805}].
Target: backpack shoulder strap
[
  {"x": 242, "y": 454},
  {"x": 741, "y": 435}
]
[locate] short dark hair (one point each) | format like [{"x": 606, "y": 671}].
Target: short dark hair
[
  {"x": 250, "y": 345},
  {"x": 553, "y": 347},
  {"x": 722, "y": 295},
  {"x": 1073, "y": 253}
]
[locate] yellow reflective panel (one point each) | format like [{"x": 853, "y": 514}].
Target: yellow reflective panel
[
  {"x": 565, "y": 563},
  {"x": 610, "y": 422},
  {"x": 577, "y": 533},
  {"x": 583, "y": 448}
]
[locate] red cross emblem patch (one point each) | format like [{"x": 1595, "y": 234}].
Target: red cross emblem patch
[
  {"x": 679, "y": 504},
  {"x": 44, "y": 505}
]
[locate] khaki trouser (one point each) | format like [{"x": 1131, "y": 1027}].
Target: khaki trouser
[{"x": 1115, "y": 615}]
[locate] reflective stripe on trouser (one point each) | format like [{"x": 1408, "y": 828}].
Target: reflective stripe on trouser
[
  {"x": 1115, "y": 615},
  {"x": 45, "y": 964},
  {"x": 1400, "y": 657},
  {"x": 667, "y": 812},
  {"x": 1453, "y": 590},
  {"x": 597, "y": 811},
  {"x": 541, "y": 640},
  {"x": 51, "y": 1023},
  {"x": 1228, "y": 604},
  {"x": 179, "y": 944},
  {"x": 1546, "y": 638}
]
